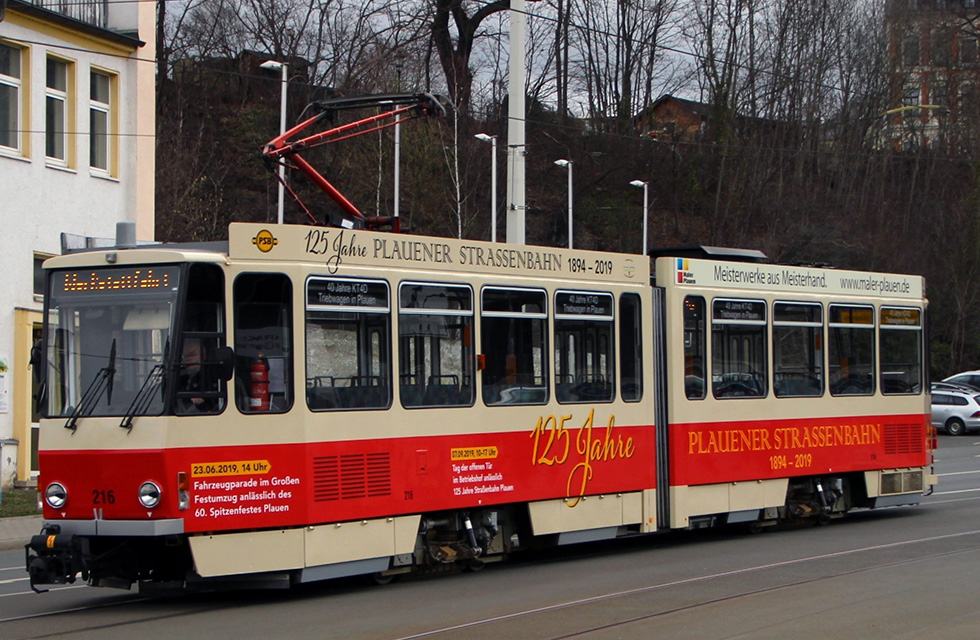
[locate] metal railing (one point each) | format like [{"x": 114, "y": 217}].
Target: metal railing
[{"x": 94, "y": 12}]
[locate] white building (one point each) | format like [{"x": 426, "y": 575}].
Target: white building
[{"x": 77, "y": 99}]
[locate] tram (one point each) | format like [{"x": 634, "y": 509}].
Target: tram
[{"x": 304, "y": 403}]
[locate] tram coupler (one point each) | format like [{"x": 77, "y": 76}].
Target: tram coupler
[{"x": 56, "y": 559}]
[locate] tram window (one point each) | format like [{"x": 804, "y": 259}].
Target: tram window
[
  {"x": 797, "y": 349},
  {"x": 435, "y": 345},
  {"x": 694, "y": 347},
  {"x": 199, "y": 387},
  {"x": 630, "y": 348},
  {"x": 263, "y": 342},
  {"x": 513, "y": 328},
  {"x": 130, "y": 329},
  {"x": 738, "y": 348},
  {"x": 851, "y": 350},
  {"x": 348, "y": 362},
  {"x": 900, "y": 345},
  {"x": 583, "y": 346}
]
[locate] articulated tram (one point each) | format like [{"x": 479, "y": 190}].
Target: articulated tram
[{"x": 304, "y": 403}]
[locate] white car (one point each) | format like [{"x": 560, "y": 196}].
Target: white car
[{"x": 955, "y": 411}]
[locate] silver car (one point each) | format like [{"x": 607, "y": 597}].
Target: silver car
[
  {"x": 968, "y": 378},
  {"x": 955, "y": 410}
]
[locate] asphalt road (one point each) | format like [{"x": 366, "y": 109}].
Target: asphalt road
[{"x": 893, "y": 573}]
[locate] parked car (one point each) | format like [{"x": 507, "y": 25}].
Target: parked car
[
  {"x": 971, "y": 378},
  {"x": 955, "y": 409}
]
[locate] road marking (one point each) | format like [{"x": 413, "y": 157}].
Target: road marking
[
  {"x": 72, "y": 610},
  {"x": 931, "y": 502},
  {"x": 676, "y": 583},
  {"x": 944, "y": 493},
  {"x": 31, "y": 593},
  {"x": 13, "y": 580},
  {"x": 958, "y": 473}
]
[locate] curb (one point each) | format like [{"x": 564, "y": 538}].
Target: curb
[{"x": 17, "y": 532}]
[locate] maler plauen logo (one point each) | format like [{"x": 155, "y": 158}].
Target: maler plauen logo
[
  {"x": 684, "y": 275},
  {"x": 264, "y": 240}
]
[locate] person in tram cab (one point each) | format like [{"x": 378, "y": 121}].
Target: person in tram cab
[{"x": 192, "y": 379}]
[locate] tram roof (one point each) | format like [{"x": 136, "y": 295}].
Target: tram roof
[{"x": 696, "y": 251}]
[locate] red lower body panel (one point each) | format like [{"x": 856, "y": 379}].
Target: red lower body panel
[
  {"x": 263, "y": 486},
  {"x": 709, "y": 453}
]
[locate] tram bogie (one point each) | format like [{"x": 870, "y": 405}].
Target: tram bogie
[{"x": 277, "y": 411}]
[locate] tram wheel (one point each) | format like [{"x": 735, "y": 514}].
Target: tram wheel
[
  {"x": 955, "y": 427},
  {"x": 380, "y": 579}
]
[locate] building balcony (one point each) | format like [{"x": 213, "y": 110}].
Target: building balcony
[{"x": 93, "y": 12}]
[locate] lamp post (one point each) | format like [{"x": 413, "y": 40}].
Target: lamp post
[
  {"x": 567, "y": 164},
  {"x": 273, "y": 65},
  {"x": 493, "y": 182},
  {"x": 645, "y": 185}
]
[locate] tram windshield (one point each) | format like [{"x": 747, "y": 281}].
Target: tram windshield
[{"x": 108, "y": 330}]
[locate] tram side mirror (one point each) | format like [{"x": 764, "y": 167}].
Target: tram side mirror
[
  {"x": 224, "y": 362},
  {"x": 37, "y": 370},
  {"x": 36, "y": 361}
]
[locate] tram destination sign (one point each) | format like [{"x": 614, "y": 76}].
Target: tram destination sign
[
  {"x": 109, "y": 281},
  {"x": 346, "y": 294},
  {"x": 575, "y": 303}
]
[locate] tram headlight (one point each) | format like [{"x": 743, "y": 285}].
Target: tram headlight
[
  {"x": 56, "y": 495},
  {"x": 149, "y": 494}
]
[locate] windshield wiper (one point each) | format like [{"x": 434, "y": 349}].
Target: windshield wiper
[
  {"x": 154, "y": 380},
  {"x": 144, "y": 397},
  {"x": 102, "y": 382}
]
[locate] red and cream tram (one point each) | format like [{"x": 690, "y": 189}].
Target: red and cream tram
[{"x": 305, "y": 403}]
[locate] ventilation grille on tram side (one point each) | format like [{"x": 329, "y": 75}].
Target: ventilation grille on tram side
[
  {"x": 348, "y": 477},
  {"x": 904, "y": 438}
]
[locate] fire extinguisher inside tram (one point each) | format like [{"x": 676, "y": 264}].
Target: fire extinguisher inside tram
[{"x": 258, "y": 395}]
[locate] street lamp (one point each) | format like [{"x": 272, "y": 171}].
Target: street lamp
[
  {"x": 645, "y": 185},
  {"x": 567, "y": 164},
  {"x": 273, "y": 65},
  {"x": 493, "y": 182}
]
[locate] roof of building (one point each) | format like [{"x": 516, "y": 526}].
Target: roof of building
[{"x": 30, "y": 9}]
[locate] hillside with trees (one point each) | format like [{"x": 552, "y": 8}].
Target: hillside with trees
[{"x": 801, "y": 152}]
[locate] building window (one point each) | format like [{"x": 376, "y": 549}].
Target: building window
[
  {"x": 910, "y": 51},
  {"x": 39, "y": 259},
  {"x": 100, "y": 121},
  {"x": 968, "y": 99},
  {"x": 968, "y": 49},
  {"x": 56, "y": 111},
  {"x": 940, "y": 48},
  {"x": 911, "y": 97},
  {"x": 939, "y": 95},
  {"x": 10, "y": 91}
]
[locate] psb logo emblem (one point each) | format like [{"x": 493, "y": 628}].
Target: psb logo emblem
[
  {"x": 264, "y": 240},
  {"x": 629, "y": 269}
]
